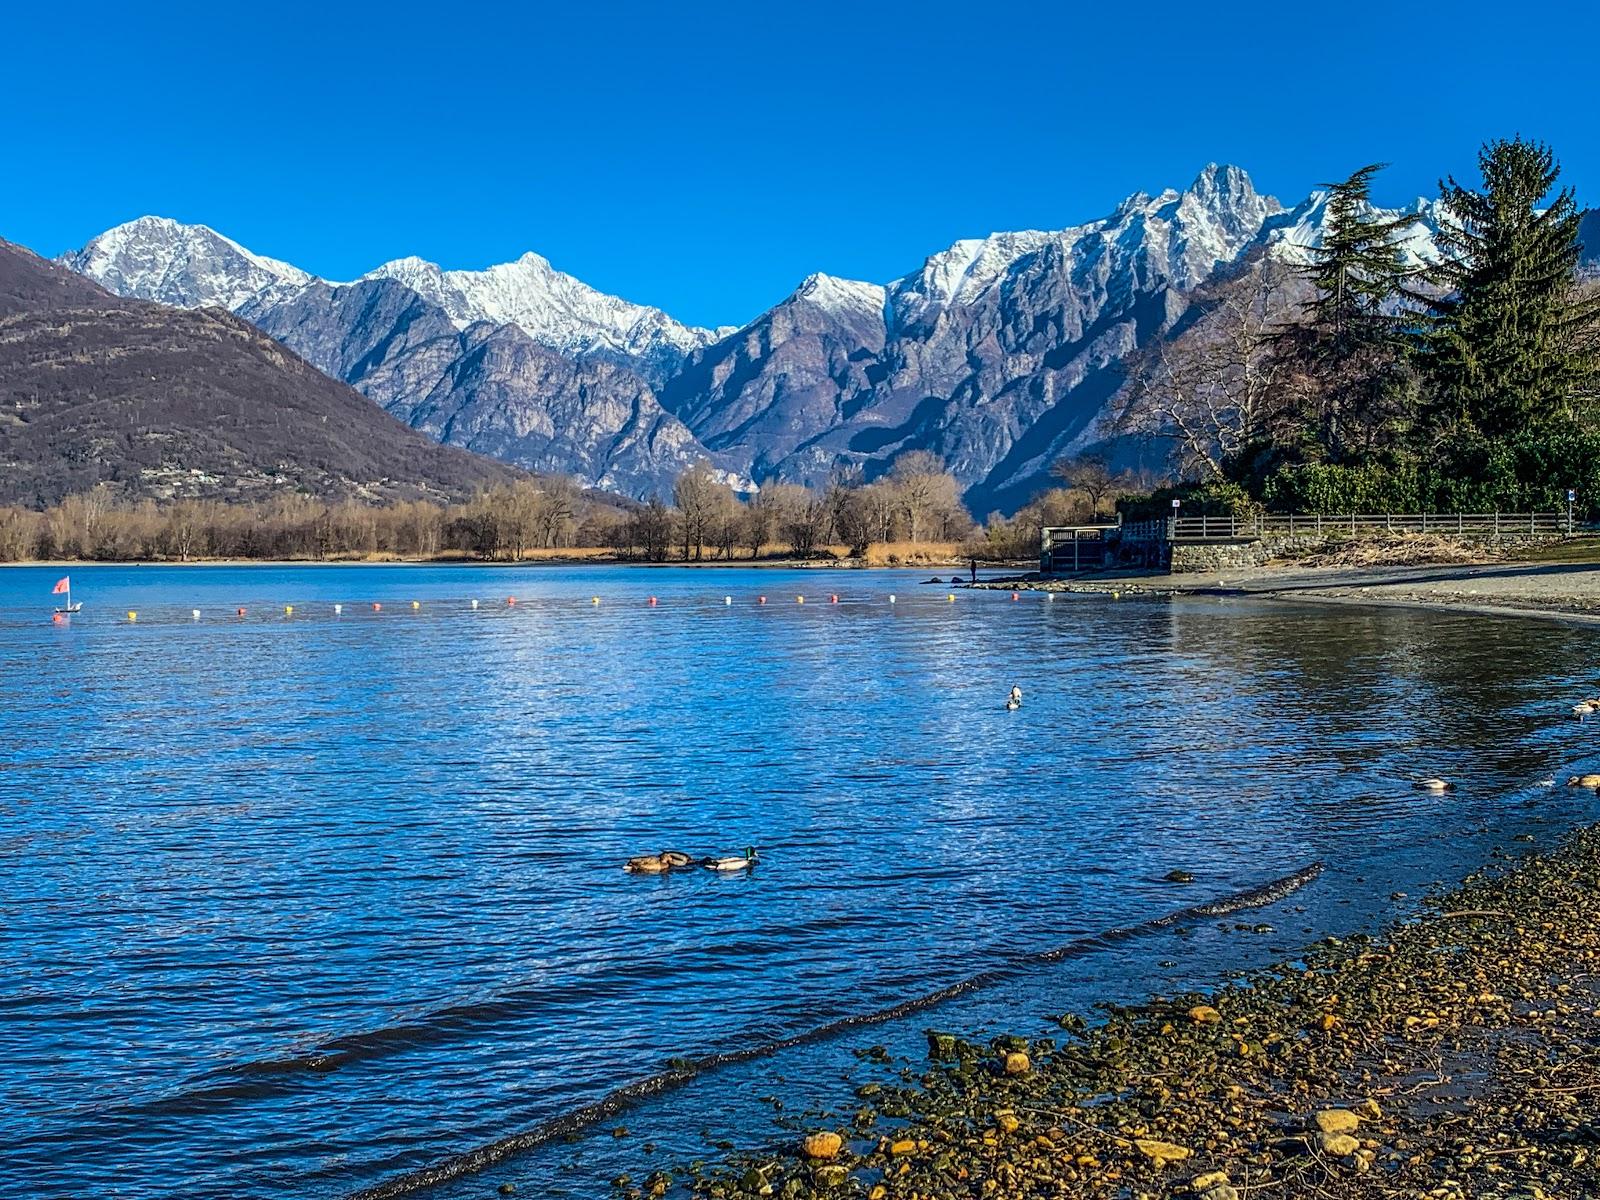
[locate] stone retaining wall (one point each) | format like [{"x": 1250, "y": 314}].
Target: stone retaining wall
[{"x": 1197, "y": 557}]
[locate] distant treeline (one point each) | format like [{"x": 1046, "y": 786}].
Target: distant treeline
[{"x": 917, "y": 502}]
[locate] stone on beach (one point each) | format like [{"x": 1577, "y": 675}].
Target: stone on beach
[
  {"x": 825, "y": 1144},
  {"x": 1336, "y": 1120},
  {"x": 1338, "y": 1144},
  {"x": 1163, "y": 1154},
  {"x": 1017, "y": 1063}
]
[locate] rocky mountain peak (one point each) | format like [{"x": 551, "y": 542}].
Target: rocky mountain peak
[{"x": 187, "y": 266}]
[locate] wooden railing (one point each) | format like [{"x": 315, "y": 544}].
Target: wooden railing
[{"x": 1200, "y": 529}]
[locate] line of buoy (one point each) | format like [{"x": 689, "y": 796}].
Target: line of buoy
[{"x": 653, "y": 601}]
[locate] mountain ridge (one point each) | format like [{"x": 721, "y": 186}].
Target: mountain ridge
[
  {"x": 169, "y": 403},
  {"x": 997, "y": 353}
]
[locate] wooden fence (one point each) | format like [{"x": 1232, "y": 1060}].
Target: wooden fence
[{"x": 1208, "y": 529}]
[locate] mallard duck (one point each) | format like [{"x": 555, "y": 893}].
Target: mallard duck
[
  {"x": 676, "y": 858},
  {"x": 733, "y": 862},
  {"x": 647, "y": 864},
  {"x": 1435, "y": 785},
  {"x": 1012, "y": 704},
  {"x": 1587, "y": 781},
  {"x": 1584, "y": 708}
]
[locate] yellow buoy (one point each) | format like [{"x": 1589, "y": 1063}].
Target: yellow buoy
[
  {"x": 288, "y": 610},
  {"x": 595, "y": 600},
  {"x": 951, "y": 597},
  {"x": 133, "y": 616},
  {"x": 415, "y": 604},
  {"x": 799, "y": 599}
]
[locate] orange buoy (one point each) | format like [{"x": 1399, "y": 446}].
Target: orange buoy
[
  {"x": 833, "y": 599},
  {"x": 239, "y": 612},
  {"x": 652, "y": 601},
  {"x": 376, "y": 607},
  {"x": 511, "y": 600},
  {"x": 763, "y": 600},
  {"x": 1016, "y": 596},
  {"x": 57, "y": 618}
]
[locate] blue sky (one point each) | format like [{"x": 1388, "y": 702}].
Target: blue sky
[{"x": 706, "y": 157}]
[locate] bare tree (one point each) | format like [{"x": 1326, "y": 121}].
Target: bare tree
[
  {"x": 695, "y": 493},
  {"x": 1089, "y": 474},
  {"x": 558, "y": 503},
  {"x": 1215, "y": 387},
  {"x": 929, "y": 495},
  {"x": 760, "y": 515}
]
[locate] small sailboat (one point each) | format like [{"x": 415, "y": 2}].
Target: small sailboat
[{"x": 64, "y": 587}]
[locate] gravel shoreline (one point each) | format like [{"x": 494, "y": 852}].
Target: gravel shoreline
[
  {"x": 1456, "y": 1055},
  {"x": 1562, "y": 591}
]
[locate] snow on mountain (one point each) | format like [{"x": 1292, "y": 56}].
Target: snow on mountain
[
  {"x": 998, "y": 353},
  {"x": 553, "y": 308},
  {"x": 190, "y": 266},
  {"x": 186, "y": 266},
  {"x": 1295, "y": 232}
]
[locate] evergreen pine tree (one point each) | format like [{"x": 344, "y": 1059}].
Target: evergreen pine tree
[
  {"x": 1347, "y": 349},
  {"x": 1512, "y": 344}
]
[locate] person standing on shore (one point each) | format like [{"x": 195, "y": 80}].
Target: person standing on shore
[{"x": 974, "y": 570}]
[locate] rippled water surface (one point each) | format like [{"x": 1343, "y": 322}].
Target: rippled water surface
[{"x": 295, "y": 905}]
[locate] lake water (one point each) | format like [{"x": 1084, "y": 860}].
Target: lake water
[{"x": 295, "y": 905}]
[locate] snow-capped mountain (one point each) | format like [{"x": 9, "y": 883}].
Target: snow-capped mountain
[
  {"x": 186, "y": 266},
  {"x": 555, "y": 310},
  {"x": 999, "y": 353}
]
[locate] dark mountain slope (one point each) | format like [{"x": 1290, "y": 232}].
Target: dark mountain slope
[{"x": 162, "y": 402}]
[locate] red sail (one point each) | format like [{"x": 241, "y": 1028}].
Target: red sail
[{"x": 62, "y": 585}]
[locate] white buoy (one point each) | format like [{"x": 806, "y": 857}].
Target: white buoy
[
  {"x": 727, "y": 600},
  {"x": 195, "y": 613},
  {"x": 891, "y": 597},
  {"x": 337, "y": 609},
  {"x": 474, "y": 604}
]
